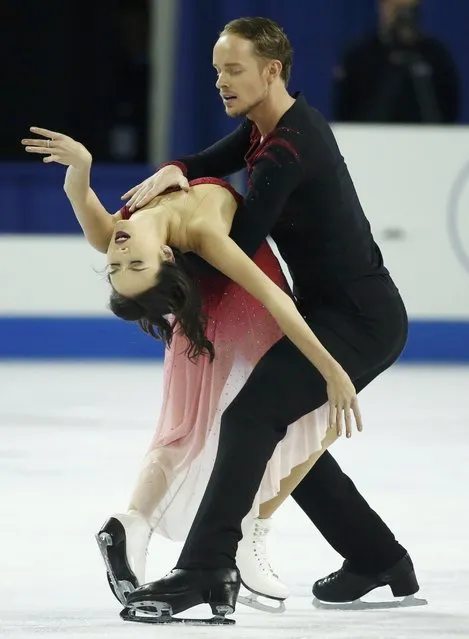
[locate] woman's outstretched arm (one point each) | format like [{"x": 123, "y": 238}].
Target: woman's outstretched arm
[
  {"x": 96, "y": 222},
  {"x": 223, "y": 253}
]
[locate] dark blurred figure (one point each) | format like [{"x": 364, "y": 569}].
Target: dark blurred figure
[{"x": 399, "y": 75}]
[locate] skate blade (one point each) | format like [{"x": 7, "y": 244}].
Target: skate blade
[
  {"x": 121, "y": 588},
  {"x": 407, "y": 602},
  {"x": 252, "y": 601},
  {"x": 158, "y": 612}
]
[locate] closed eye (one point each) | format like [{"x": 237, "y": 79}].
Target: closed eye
[
  {"x": 114, "y": 267},
  {"x": 231, "y": 69}
]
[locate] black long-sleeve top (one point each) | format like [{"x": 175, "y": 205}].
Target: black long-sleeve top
[{"x": 301, "y": 194}]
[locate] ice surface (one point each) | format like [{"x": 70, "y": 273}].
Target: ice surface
[{"x": 71, "y": 440}]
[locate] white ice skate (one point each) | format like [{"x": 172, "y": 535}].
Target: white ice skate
[
  {"x": 256, "y": 572},
  {"x": 123, "y": 541}
]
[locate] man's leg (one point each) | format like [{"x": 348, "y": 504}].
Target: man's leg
[
  {"x": 341, "y": 514},
  {"x": 332, "y": 502}
]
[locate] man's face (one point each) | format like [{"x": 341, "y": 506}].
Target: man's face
[
  {"x": 244, "y": 78},
  {"x": 389, "y": 9}
]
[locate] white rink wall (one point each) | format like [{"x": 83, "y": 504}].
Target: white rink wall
[{"x": 414, "y": 187}]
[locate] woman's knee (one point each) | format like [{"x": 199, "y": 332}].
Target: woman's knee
[{"x": 160, "y": 459}]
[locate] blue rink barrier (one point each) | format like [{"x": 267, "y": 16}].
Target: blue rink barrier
[
  {"x": 33, "y": 200},
  {"x": 110, "y": 338}
]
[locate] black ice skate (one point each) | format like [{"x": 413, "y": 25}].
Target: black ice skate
[
  {"x": 123, "y": 542},
  {"x": 158, "y": 601},
  {"x": 344, "y": 588}
]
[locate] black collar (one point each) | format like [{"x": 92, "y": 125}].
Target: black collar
[{"x": 297, "y": 108}]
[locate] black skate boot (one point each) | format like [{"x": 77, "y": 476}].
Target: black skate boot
[
  {"x": 181, "y": 589},
  {"x": 347, "y": 586},
  {"x": 123, "y": 541}
]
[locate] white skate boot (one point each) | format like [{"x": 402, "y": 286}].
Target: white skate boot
[
  {"x": 123, "y": 541},
  {"x": 256, "y": 572}
]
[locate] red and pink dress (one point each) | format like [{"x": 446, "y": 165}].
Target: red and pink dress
[{"x": 195, "y": 395}]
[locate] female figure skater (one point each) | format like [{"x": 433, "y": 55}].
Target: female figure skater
[{"x": 215, "y": 339}]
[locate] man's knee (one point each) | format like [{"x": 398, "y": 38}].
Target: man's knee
[
  {"x": 240, "y": 416},
  {"x": 245, "y": 418},
  {"x": 325, "y": 481}
]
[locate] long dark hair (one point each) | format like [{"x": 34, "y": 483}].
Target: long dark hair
[{"x": 176, "y": 292}]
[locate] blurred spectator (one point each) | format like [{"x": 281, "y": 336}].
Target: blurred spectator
[{"x": 399, "y": 75}]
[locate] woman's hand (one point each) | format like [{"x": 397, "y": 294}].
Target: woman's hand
[
  {"x": 342, "y": 401},
  {"x": 59, "y": 148},
  {"x": 156, "y": 184},
  {"x": 63, "y": 149}
]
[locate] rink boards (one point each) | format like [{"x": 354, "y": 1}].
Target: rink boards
[{"x": 414, "y": 186}]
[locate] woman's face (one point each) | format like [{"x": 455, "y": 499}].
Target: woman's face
[{"x": 134, "y": 257}]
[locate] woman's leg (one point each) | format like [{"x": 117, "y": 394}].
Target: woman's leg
[
  {"x": 155, "y": 478},
  {"x": 192, "y": 393},
  {"x": 289, "y": 483},
  {"x": 123, "y": 540},
  {"x": 252, "y": 558}
]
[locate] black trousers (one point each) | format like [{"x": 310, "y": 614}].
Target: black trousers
[{"x": 365, "y": 330}]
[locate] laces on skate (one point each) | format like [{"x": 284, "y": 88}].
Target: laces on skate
[{"x": 257, "y": 574}]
